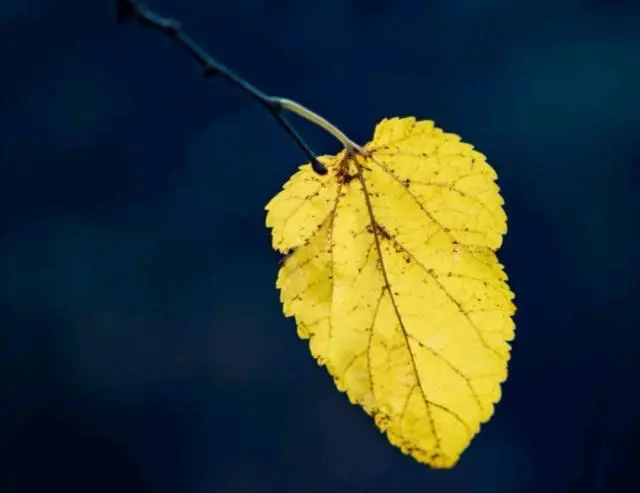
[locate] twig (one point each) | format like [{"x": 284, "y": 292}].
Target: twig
[{"x": 132, "y": 10}]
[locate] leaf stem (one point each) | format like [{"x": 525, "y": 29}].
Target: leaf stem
[
  {"x": 313, "y": 117},
  {"x": 133, "y": 10}
]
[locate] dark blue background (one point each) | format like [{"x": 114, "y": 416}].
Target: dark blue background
[{"x": 143, "y": 346}]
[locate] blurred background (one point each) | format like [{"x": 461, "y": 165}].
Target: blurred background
[{"x": 142, "y": 341}]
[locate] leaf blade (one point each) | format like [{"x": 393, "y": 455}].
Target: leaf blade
[{"x": 404, "y": 300}]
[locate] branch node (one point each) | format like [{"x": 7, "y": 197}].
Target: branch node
[
  {"x": 210, "y": 71},
  {"x": 273, "y": 105},
  {"x": 170, "y": 27},
  {"x": 318, "y": 167}
]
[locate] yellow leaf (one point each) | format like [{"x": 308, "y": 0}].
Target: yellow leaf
[{"x": 391, "y": 274}]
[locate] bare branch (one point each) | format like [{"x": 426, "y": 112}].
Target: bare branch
[{"x": 132, "y": 10}]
